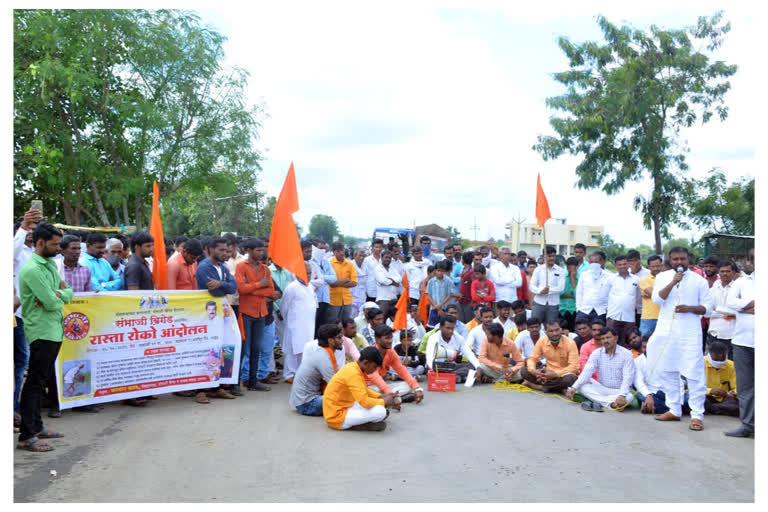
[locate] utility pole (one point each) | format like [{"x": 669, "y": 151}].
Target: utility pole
[
  {"x": 474, "y": 228},
  {"x": 519, "y": 220}
]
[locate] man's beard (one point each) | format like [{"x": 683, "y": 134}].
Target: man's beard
[{"x": 47, "y": 254}]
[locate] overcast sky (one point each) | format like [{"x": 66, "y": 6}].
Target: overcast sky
[{"x": 400, "y": 116}]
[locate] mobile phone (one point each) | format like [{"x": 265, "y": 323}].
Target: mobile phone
[{"x": 37, "y": 204}]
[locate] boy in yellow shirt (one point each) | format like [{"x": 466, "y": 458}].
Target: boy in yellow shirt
[{"x": 721, "y": 382}]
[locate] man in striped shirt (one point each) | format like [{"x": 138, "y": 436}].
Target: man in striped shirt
[{"x": 615, "y": 371}]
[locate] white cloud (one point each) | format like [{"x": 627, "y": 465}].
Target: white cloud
[{"x": 393, "y": 117}]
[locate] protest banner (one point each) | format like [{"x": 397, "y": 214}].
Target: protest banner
[{"x": 145, "y": 342}]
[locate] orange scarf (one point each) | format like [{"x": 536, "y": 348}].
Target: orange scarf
[{"x": 335, "y": 367}]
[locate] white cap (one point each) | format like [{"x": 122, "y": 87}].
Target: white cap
[{"x": 370, "y": 305}]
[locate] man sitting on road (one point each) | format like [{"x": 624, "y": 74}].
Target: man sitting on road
[
  {"x": 592, "y": 345},
  {"x": 477, "y": 334},
  {"x": 315, "y": 371},
  {"x": 408, "y": 389},
  {"x": 721, "y": 381},
  {"x": 446, "y": 345},
  {"x": 615, "y": 368},
  {"x": 349, "y": 404},
  {"x": 504, "y": 308},
  {"x": 526, "y": 340},
  {"x": 562, "y": 364},
  {"x": 499, "y": 358}
]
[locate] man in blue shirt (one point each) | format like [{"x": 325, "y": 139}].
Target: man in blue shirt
[{"x": 103, "y": 277}]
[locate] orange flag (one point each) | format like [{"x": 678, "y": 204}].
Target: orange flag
[
  {"x": 159, "y": 263},
  {"x": 284, "y": 245},
  {"x": 401, "y": 317},
  {"x": 542, "y": 206}
]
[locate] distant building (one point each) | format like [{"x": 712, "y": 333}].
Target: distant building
[{"x": 562, "y": 236}]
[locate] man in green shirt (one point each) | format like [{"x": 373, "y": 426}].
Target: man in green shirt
[
  {"x": 42, "y": 293},
  {"x": 568, "y": 296}
]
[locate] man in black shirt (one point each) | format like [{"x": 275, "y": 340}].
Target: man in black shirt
[{"x": 137, "y": 274}]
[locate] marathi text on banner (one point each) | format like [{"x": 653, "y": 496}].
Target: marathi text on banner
[{"x": 131, "y": 344}]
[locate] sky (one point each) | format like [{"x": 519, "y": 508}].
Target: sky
[{"x": 406, "y": 115}]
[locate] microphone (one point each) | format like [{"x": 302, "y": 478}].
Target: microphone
[{"x": 680, "y": 270}]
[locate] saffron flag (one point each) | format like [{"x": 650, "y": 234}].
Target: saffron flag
[
  {"x": 159, "y": 261},
  {"x": 542, "y": 206},
  {"x": 401, "y": 317},
  {"x": 284, "y": 245}
]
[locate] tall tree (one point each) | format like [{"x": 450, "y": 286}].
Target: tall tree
[
  {"x": 455, "y": 235},
  {"x": 626, "y": 103},
  {"x": 718, "y": 206},
  {"x": 106, "y": 101},
  {"x": 323, "y": 227}
]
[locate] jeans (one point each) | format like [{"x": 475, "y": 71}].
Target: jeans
[
  {"x": 336, "y": 313},
  {"x": 570, "y": 317},
  {"x": 744, "y": 359},
  {"x": 647, "y": 327},
  {"x": 267, "y": 349},
  {"x": 660, "y": 402},
  {"x": 545, "y": 313},
  {"x": 312, "y": 408},
  {"x": 254, "y": 331},
  {"x": 20, "y": 360},
  {"x": 42, "y": 354}
]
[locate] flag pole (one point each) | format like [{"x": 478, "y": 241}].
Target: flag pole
[{"x": 544, "y": 238}]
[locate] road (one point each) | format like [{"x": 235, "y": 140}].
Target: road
[{"x": 480, "y": 446}]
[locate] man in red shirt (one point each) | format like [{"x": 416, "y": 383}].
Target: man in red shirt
[
  {"x": 183, "y": 269},
  {"x": 410, "y": 388}
]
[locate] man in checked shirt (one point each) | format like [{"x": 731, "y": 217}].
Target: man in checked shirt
[{"x": 615, "y": 372}]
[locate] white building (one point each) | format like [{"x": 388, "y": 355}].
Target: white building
[{"x": 562, "y": 236}]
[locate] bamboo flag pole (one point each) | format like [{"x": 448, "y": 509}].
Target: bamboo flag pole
[{"x": 546, "y": 269}]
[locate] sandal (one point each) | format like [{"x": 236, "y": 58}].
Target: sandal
[
  {"x": 201, "y": 398},
  {"x": 221, "y": 393},
  {"x": 135, "y": 402},
  {"x": 34, "y": 444},
  {"x": 185, "y": 394},
  {"x": 49, "y": 434},
  {"x": 696, "y": 425}
]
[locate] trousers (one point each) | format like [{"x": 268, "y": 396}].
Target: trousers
[
  {"x": 545, "y": 313},
  {"x": 497, "y": 375},
  {"x": 552, "y": 386},
  {"x": 728, "y": 407},
  {"x": 42, "y": 354},
  {"x": 697, "y": 391},
  {"x": 357, "y": 415},
  {"x": 744, "y": 360},
  {"x": 400, "y": 387},
  {"x": 20, "y": 360},
  {"x": 603, "y": 395}
]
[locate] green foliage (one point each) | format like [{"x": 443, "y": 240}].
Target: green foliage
[
  {"x": 106, "y": 101},
  {"x": 323, "y": 227},
  {"x": 611, "y": 248},
  {"x": 720, "y": 207},
  {"x": 455, "y": 235},
  {"x": 625, "y": 104}
]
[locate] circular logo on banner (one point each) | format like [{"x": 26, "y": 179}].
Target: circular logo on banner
[{"x": 76, "y": 326}]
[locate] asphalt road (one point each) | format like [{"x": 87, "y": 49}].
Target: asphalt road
[{"x": 483, "y": 446}]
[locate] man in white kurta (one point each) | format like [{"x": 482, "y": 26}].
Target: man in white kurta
[
  {"x": 298, "y": 307},
  {"x": 359, "y": 291},
  {"x": 506, "y": 277},
  {"x": 674, "y": 349}
]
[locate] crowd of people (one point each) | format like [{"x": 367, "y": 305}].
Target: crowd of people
[{"x": 670, "y": 338}]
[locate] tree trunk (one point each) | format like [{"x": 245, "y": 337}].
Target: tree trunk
[
  {"x": 137, "y": 205},
  {"x": 69, "y": 213},
  {"x": 99, "y": 205},
  {"x": 656, "y": 216},
  {"x": 126, "y": 218}
]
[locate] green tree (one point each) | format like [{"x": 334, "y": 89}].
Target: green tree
[
  {"x": 626, "y": 103},
  {"x": 323, "y": 227},
  {"x": 611, "y": 248},
  {"x": 691, "y": 244},
  {"x": 455, "y": 235},
  {"x": 722, "y": 207},
  {"x": 106, "y": 101}
]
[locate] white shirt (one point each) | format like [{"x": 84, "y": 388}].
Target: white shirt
[
  {"x": 640, "y": 275},
  {"x": 369, "y": 265},
  {"x": 21, "y": 254},
  {"x": 508, "y": 325},
  {"x": 592, "y": 292},
  {"x": 506, "y": 279},
  {"x": 524, "y": 344},
  {"x": 399, "y": 267},
  {"x": 384, "y": 289},
  {"x": 359, "y": 291},
  {"x": 556, "y": 284},
  {"x": 476, "y": 337},
  {"x": 623, "y": 297},
  {"x": 640, "y": 377},
  {"x": 450, "y": 348},
  {"x": 742, "y": 293},
  {"x": 417, "y": 272},
  {"x": 719, "y": 327}
]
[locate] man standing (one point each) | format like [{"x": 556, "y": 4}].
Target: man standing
[
  {"x": 741, "y": 298},
  {"x": 138, "y": 275},
  {"x": 369, "y": 265},
  {"x": 358, "y": 292},
  {"x": 346, "y": 278},
  {"x": 416, "y": 269},
  {"x": 298, "y": 308},
  {"x": 214, "y": 276},
  {"x": 506, "y": 277},
  {"x": 182, "y": 269},
  {"x": 562, "y": 362},
  {"x": 234, "y": 259},
  {"x": 636, "y": 269},
  {"x": 568, "y": 297},
  {"x": 547, "y": 283},
  {"x": 254, "y": 285},
  {"x": 623, "y": 300},
  {"x": 349, "y": 404},
  {"x": 722, "y": 320},
  {"x": 328, "y": 276},
  {"x": 77, "y": 276},
  {"x": 114, "y": 255},
  {"x": 650, "y": 311},
  {"x": 43, "y": 294},
  {"x": 281, "y": 279},
  {"x": 465, "y": 287},
  {"x": 674, "y": 349},
  {"x": 103, "y": 278},
  {"x": 592, "y": 290},
  {"x": 579, "y": 251},
  {"x": 315, "y": 372},
  {"x": 439, "y": 292},
  {"x": 387, "y": 281}
]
